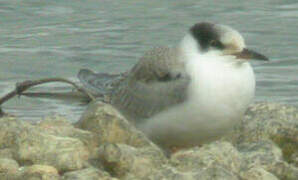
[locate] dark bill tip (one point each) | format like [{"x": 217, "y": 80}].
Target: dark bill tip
[{"x": 250, "y": 54}]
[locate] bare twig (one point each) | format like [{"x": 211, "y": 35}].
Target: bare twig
[
  {"x": 23, "y": 86},
  {"x": 73, "y": 95},
  {"x": 8, "y": 96}
]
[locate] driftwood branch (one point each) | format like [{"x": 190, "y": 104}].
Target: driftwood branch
[
  {"x": 58, "y": 95},
  {"x": 23, "y": 86}
]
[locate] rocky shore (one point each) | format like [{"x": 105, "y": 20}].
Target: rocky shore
[{"x": 103, "y": 145}]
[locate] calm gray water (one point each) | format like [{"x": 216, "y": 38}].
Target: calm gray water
[{"x": 56, "y": 38}]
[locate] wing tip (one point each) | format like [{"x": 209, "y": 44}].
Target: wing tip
[{"x": 84, "y": 71}]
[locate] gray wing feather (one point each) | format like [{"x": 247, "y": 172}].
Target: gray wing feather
[
  {"x": 140, "y": 100},
  {"x": 98, "y": 84},
  {"x": 145, "y": 91}
]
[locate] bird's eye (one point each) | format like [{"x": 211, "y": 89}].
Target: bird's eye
[{"x": 216, "y": 44}]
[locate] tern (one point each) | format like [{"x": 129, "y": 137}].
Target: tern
[{"x": 186, "y": 95}]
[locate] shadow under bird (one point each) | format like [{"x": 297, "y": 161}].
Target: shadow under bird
[{"x": 187, "y": 95}]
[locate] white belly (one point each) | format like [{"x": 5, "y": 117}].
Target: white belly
[
  {"x": 218, "y": 96},
  {"x": 221, "y": 89}
]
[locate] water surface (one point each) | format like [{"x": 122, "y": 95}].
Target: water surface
[{"x": 57, "y": 38}]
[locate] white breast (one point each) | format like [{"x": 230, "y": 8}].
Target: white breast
[
  {"x": 218, "y": 95},
  {"x": 220, "y": 86}
]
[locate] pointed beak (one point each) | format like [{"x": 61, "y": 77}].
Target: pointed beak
[{"x": 250, "y": 54}]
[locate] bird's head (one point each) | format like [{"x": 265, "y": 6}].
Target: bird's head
[{"x": 206, "y": 37}]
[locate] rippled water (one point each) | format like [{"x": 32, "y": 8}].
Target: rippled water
[{"x": 58, "y": 37}]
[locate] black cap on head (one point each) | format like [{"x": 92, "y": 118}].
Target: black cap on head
[{"x": 206, "y": 35}]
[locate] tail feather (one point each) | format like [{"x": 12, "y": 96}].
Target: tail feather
[{"x": 98, "y": 84}]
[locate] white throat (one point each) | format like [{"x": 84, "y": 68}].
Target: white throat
[
  {"x": 217, "y": 81},
  {"x": 221, "y": 87}
]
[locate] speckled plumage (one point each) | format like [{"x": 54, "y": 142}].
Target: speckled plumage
[
  {"x": 151, "y": 86},
  {"x": 154, "y": 84}
]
